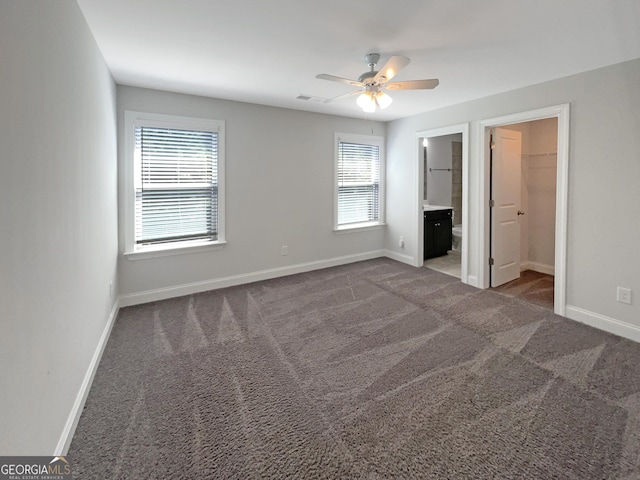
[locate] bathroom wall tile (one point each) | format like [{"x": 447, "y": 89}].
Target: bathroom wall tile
[
  {"x": 456, "y": 181},
  {"x": 456, "y": 203},
  {"x": 425, "y": 179}
]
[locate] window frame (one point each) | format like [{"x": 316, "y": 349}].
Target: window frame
[
  {"x": 374, "y": 140},
  {"x": 132, "y": 120}
]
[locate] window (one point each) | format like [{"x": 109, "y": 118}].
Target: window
[
  {"x": 175, "y": 183},
  {"x": 359, "y": 186}
]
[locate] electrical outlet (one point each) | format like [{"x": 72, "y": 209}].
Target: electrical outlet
[
  {"x": 624, "y": 295},
  {"x": 401, "y": 242},
  {"x": 285, "y": 250}
]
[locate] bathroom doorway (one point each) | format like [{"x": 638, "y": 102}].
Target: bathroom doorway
[
  {"x": 542, "y": 225},
  {"x": 443, "y": 211}
]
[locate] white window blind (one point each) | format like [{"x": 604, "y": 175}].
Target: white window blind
[
  {"x": 177, "y": 185},
  {"x": 358, "y": 183}
]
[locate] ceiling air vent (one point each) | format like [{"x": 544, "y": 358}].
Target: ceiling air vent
[{"x": 310, "y": 98}]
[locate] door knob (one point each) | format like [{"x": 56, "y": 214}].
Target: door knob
[{"x": 520, "y": 212}]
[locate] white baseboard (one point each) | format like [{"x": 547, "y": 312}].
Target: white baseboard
[
  {"x": 399, "y": 257},
  {"x": 602, "y": 322},
  {"x": 76, "y": 410},
  {"x": 537, "y": 267},
  {"x": 473, "y": 281},
  {"x": 233, "y": 280}
]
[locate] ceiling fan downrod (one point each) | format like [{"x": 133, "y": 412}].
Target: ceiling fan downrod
[{"x": 368, "y": 77}]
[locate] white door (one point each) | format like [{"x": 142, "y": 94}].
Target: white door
[{"x": 505, "y": 193}]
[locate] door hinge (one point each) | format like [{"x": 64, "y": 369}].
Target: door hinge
[
  {"x": 491, "y": 261},
  {"x": 493, "y": 145},
  {"x": 492, "y": 203}
]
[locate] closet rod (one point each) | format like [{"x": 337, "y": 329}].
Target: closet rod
[
  {"x": 546, "y": 154},
  {"x": 439, "y": 169}
]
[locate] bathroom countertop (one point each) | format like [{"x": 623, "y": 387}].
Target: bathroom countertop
[{"x": 428, "y": 208}]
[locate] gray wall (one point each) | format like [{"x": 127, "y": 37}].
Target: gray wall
[
  {"x": 540, "y": 186},
  {"x": 604, "y": 167},
  {"x": 279, "y": 191},
  {"x": 58, "y": 211}
]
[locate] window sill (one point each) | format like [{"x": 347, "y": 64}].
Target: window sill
[
  {"x": 358, "y": 227},
  {"x": 179, "y": 249}
]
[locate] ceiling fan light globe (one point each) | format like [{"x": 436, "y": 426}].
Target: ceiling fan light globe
[
  {"x": 366, "y": 102},
  {"x": 383, "y": 100},
  {"x": 370, "y": 108}
]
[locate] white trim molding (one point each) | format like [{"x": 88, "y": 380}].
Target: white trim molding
[
  {"x": 370, "y": 140},
  {"x": 473, "y": 281},
  {"x": 132, "y": 120},
  {"x": 561, "y": 112},
  {"x": 399, "y": 257},
  {"x": 602, "y": 322},
  {"x": 233, "y": 280},
  {"x": 78, "y": 405},
  {"x": 537, "y": 267}
]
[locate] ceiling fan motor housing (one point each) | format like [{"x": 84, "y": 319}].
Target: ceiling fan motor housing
[{"x": 368, "y": 77}]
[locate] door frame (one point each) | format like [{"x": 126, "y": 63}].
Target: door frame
[
  {"x": 561, "y": 112},
  {"x": 462, "y": 128}
]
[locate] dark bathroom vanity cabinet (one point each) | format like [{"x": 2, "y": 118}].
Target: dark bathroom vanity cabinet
[{"x": 437, "y": 232}]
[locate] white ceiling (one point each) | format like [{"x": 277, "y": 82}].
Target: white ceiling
[{"x": 268, "y": 52}]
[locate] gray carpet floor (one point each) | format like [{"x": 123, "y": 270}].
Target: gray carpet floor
[
  {"x": 369, "y": 370},
  {"x": 534, "y": 287}
]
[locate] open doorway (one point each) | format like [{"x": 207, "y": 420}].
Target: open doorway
[
  {"x": 547, "y": 214},
  {"x": 523, "y": 190},
  {"x": 442, "y": 200}
]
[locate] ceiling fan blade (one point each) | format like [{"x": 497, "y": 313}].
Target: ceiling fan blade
[
  {"x": 333, "y": 78},
  {"x": 413, "y": 85},
  {"x": 340, "y": 97},
  {"x": 391, "y": 68}
]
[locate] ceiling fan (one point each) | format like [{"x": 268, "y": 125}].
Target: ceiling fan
[{"x": 373, "y": 82}]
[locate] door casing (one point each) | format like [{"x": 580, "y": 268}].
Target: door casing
[{"x": 561, "y": 112}]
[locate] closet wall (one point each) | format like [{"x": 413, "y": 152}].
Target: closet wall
[{"x": 539, "y": 171}]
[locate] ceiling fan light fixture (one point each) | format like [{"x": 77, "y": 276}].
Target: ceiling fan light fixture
[
  {"x": 383, "y": 100},
  {"x": 372, "y": 82},
  {"x": 366, "y": 102}
]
